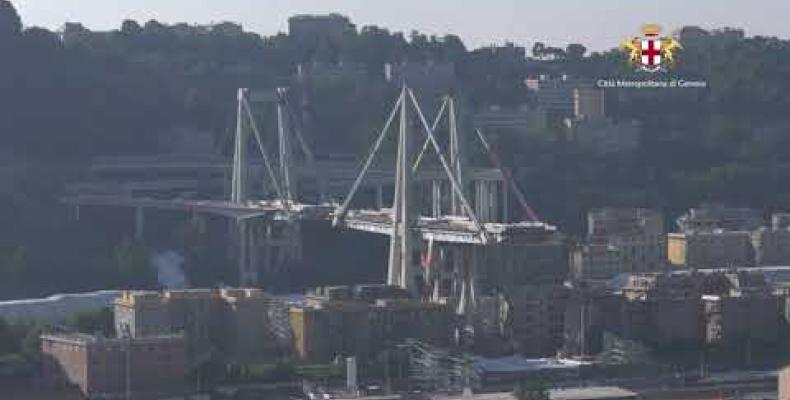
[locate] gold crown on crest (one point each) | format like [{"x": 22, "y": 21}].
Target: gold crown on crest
[{"x": 650, "y": 29}]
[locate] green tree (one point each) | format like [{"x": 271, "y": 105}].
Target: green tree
[
  {"x": 100, "y": 321},
  {"x": 10, "y": 23},
  {"x": 575, "y": 52}
]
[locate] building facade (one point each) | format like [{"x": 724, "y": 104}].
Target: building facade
[
  {"x": 620, "y": 240},
  {"x": 772, "y": 246},
  {"x": 711, "y": 249},
  {"x": 364, "y": 320},
  {"x": 105, "y": 368},
  {"x": 234, "y": 322}
]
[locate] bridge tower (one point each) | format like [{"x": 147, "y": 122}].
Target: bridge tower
[
  {"x": 272, "y": 242},
  {"x": 404, "y": 214}
]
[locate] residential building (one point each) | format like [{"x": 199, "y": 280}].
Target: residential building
[
  {"x": 710, "y": 249},
  {"x": 540, "y": 258},
  {"x": 771, "y": 246},
  {"x": 597, "y": 261},
  {"x": 741, "y": 307},
  {"x": 153, "y": 366},
  {"x": 568, "y": 97},
  {"x": 361, "y": 321},
  {"x": 742, "y": 318},
  {"x": 535, "y": 318},
  {"x": 661, "y": 310},
  {"x": 588, "y": 103},
  {"x": 620, "y": 240},
  {"x": 232, "y": 321},
  {"x": 784, "y": 383}
]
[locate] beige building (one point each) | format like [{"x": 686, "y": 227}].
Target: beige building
[
  {"x": 588, "y": 102},
  {"x": 710, "y": 249},
  {"x": 361, "y": 321},
  {"x": 232, "y": 321},
  {"x": 568, "y": 97},
  {"x": 620, "y": 240},
  {"x": 784, "y": 383}
]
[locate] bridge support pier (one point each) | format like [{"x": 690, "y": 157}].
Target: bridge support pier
[{"x": 267, "y": 247}]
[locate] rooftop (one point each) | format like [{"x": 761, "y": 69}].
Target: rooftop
[{"x": 591, "y": 393}]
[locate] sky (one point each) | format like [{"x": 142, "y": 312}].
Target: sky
[{"x": 598, "y": 24}]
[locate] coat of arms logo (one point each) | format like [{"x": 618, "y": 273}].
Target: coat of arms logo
[{"x": 651, "y": 52}]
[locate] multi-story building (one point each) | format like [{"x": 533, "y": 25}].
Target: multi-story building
[
  {"x": 737, "y": 319},
  {"x": 233, "y": 321},
  {"x": 535, "y": 318},
  {"x": 596, "y": 261},
  {"x": 620, "y": 240},
  {"x": 568, "y": 97},
  {"x": 588, "y": 103},
  {"x": 772, "y": 244},
  {"x": 679, "y": 309},
  {"x": 784, "y": 383},
  {"x": 104, "y": 368},
  {"x": 710, "y": 249},
  {"x": 663, "y": 310},
  {"x": 362, "y": 321},
  {"x": 740, "y": 307}
]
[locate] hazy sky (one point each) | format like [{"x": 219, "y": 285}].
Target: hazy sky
[{"x": 599, "y": 24}]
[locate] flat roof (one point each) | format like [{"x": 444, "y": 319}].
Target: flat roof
[
  {"x": 591, "y": 393},
  {"x": 579, "y": 393},
  {"x": 516, "y": 364}
]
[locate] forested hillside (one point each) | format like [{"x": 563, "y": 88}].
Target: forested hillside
[{"x": 67, "y": 96}]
